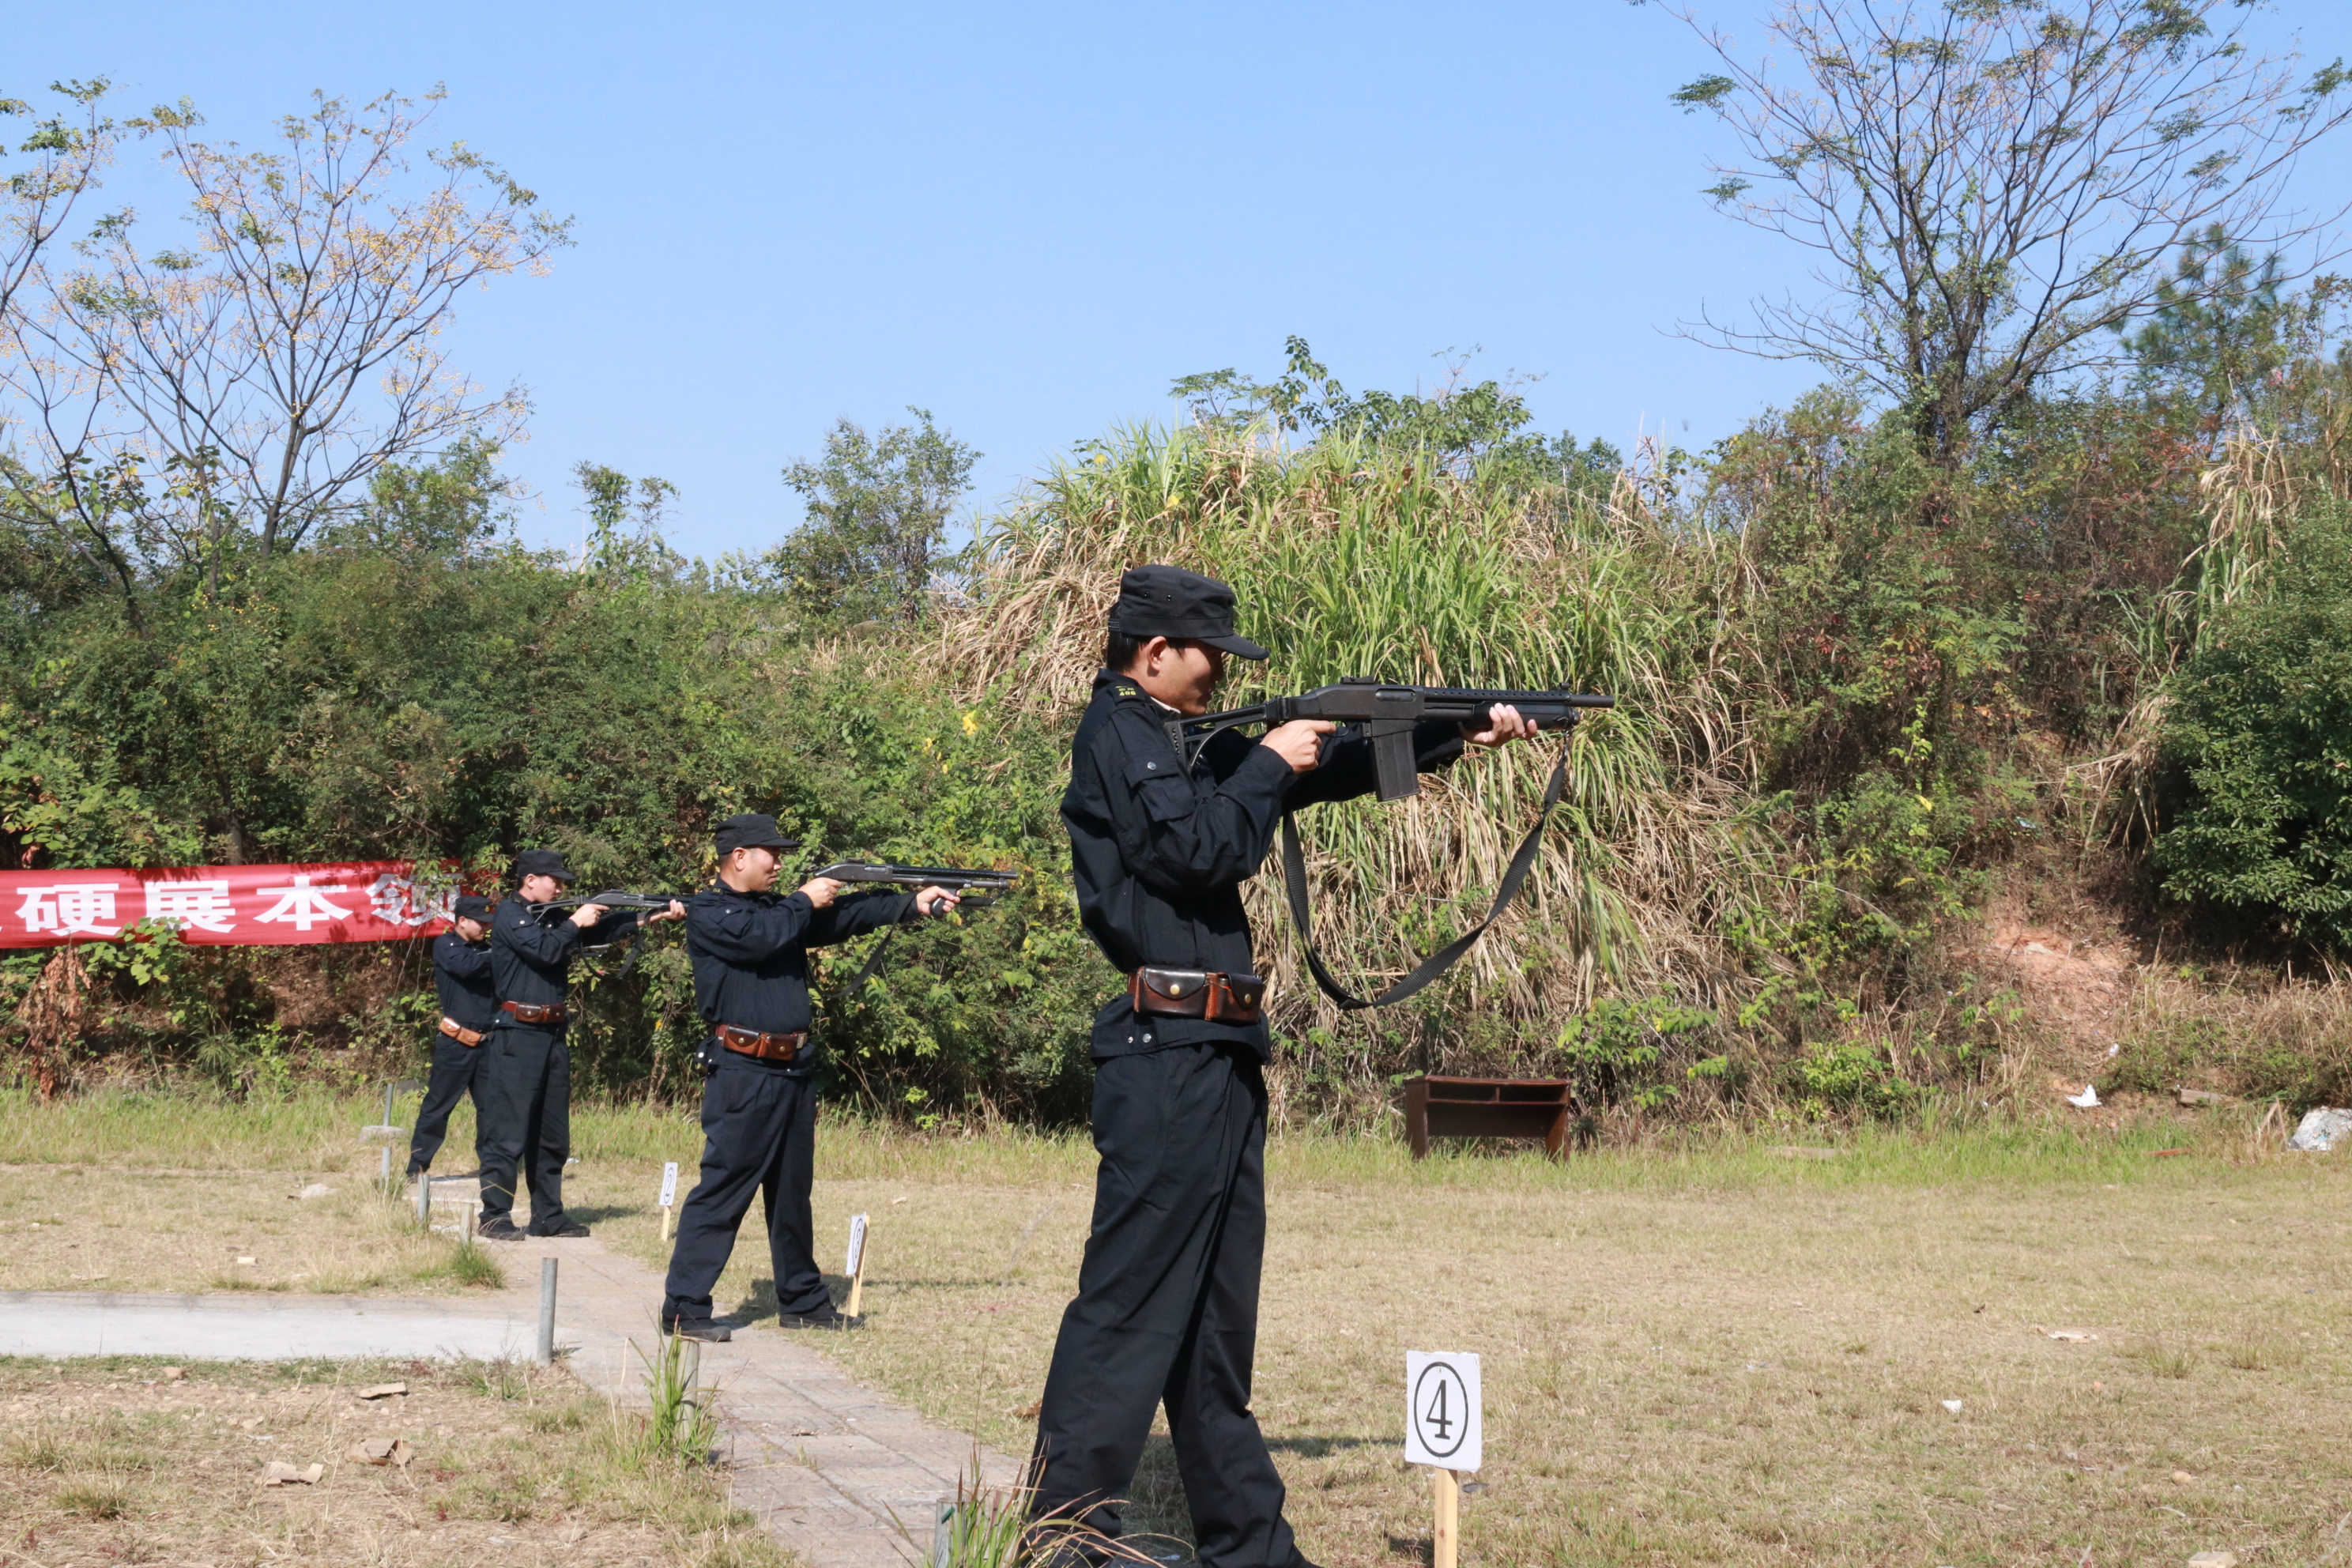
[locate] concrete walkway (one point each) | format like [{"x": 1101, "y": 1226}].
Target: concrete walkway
[
  {"x": 836, "y": 1472},
  {"x": 242, "y": 1328}
]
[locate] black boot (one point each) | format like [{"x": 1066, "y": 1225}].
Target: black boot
[
  {"x": 702, "y": 1329},
  {"x": 499, "y": 1228},
  {"x": 831, "y": 1318}
]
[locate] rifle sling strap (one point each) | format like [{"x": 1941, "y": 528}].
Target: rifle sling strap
[{"x": 1294, "y": 886}]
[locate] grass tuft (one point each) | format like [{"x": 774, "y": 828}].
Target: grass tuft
[
  {"x": 93, "y": 1501},
  {"x": 2160, "y": 1360},
  {"x": 499, "y": 1379},
  {"x": 682, "y": 1426}
]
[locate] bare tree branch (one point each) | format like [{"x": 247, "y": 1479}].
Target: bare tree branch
[
  {"x": 1993, "y": 185},
  {"x": 295, "y": 348}
]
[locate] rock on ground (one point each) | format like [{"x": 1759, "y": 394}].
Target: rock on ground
[{"x": 2320, "y": 1129}]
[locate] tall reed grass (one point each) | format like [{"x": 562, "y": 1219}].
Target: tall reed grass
[{"x": 1351, "y": 559}]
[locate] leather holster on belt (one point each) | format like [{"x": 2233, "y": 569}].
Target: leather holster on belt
[
  {"x": 532, "y": 1012},
  {"x": 1198, "y": 994},
  {"x": 763, "y": 1047},
  {"x": 462, "y": 1035}
]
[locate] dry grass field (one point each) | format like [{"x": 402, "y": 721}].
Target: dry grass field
[
  {"x": 1727, "y": 1352},
  {"x": 116, "y": 1461}
]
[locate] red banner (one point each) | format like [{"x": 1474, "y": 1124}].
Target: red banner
[{"x": 224, "y": 906}]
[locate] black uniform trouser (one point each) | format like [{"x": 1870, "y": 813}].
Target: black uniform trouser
[
  {"x": 523, "y": 1098},
  {"x": 452, "y": 1078},
  {"x": 1167, "y": 1307},
  {"x": 759, "y": 1133}
]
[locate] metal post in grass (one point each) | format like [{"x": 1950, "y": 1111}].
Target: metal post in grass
[
  {"x": 547, "y": 1311},
  {"x": 384, "y": 1175},
  {"x": 425, "y": 1201},
  {"x": 943, "y": 1534},
  {"x": 391, "y": 1092}
]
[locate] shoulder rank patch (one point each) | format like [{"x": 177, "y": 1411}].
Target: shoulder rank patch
[{"x": 1126, "y": 689}]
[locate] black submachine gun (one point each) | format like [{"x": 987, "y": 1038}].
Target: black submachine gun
[
  {"x": 555, "y": 910},
  {"x": 1386, "y": 715},
  {"x": 975, "y": 889}
]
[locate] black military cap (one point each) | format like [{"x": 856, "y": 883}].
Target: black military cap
[
  {"x": 1170, "y": 602},
  {"x": 751, "y": 830},
  {"x": 473, "y": 907},
  {"x": 542, "y": 863}
]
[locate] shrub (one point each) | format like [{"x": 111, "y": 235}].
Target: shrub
[{"x": 2260, "y": 737}]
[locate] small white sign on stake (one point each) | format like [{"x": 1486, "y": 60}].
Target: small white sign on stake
[
  {"x": 1442, "y": 1425},
  {"x": 669, "y": 1197},
  {"x": 857, "y": 1245}
]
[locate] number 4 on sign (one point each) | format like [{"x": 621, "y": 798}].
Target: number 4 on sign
[{"x": 1443, "y": 1430}]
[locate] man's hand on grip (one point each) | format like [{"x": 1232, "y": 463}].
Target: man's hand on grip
[
  {"x": 1299, "y": 743},
  {"x": 820, "y": 891}
]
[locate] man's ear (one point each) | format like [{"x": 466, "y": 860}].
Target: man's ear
[{"x": 1148, "y": 658}]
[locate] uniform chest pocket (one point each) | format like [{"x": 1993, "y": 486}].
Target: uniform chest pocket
[{"x": 1162, "y": 787}]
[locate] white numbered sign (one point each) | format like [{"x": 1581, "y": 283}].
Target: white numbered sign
[
  {"x": 669, "y": 1183},
  {"x": 1442, "y": 1416},
  {"x": 857, "y": 1245}
]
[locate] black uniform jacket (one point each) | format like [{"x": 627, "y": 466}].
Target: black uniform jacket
[
  {"x": 749, "y": 951},
  {"x": 1160, "y": 855},
  {"x": 461, "y": 972},
  {"x": 532, "y": 962}
]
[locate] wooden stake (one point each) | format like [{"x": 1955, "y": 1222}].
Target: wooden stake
[
  {"x": 856, "y": 1286},
  {"x": 1447, "y": 1542},
  {"x": 669, "y": 1217}
]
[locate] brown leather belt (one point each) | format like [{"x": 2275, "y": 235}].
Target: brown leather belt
[
  {"x": 1198, "y": 994},
  {"x": 764, "y": 1047},
  {"x": 534, "y": 1013},
  {"x": 462, "y": 1035}
]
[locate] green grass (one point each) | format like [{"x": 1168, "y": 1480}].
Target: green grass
[{"x": 320, "y": 1131}]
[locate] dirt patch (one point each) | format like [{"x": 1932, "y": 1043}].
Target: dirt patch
[
  {"x": 119, "y": 1461},
  {"x": 2076, "y": 989}
]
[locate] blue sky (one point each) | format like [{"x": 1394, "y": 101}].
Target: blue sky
[{"x": 1027, "y": 219}]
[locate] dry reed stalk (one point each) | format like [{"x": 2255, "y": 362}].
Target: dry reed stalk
[
  {"x": 1351, "y": 559},
  {"x": 2249, "y": 494},
  {"x": 52, "y": 1015}
]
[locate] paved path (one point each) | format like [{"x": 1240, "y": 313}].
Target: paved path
[
  {"x": 241, "y": 1328},
  {"x": 836, "y": 1472}
]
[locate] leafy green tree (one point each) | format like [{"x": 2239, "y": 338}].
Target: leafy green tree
[
  {"x": 2261, "y": 735},
  {"x": 1480, "y": 426},
  {"x": 877, "y": 527},
  {"x": 443, "y": 510},
  {"x": 625, "y": 524},
  {"x": 2223, "y": 326}
]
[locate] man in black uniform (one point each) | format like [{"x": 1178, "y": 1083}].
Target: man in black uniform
[
  {"x": 526, "y": 1070},
  {"x": 461, "y": 972},
  {"x": 749, "y": 950},
  {"x": 1167, "y": 1305}
]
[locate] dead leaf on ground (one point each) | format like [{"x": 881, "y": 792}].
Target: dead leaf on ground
[
  {"x": 383, "y": 1451},
  {"x": 1029, "y": 1411},
  {"x": 278, "y": 1473}
]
